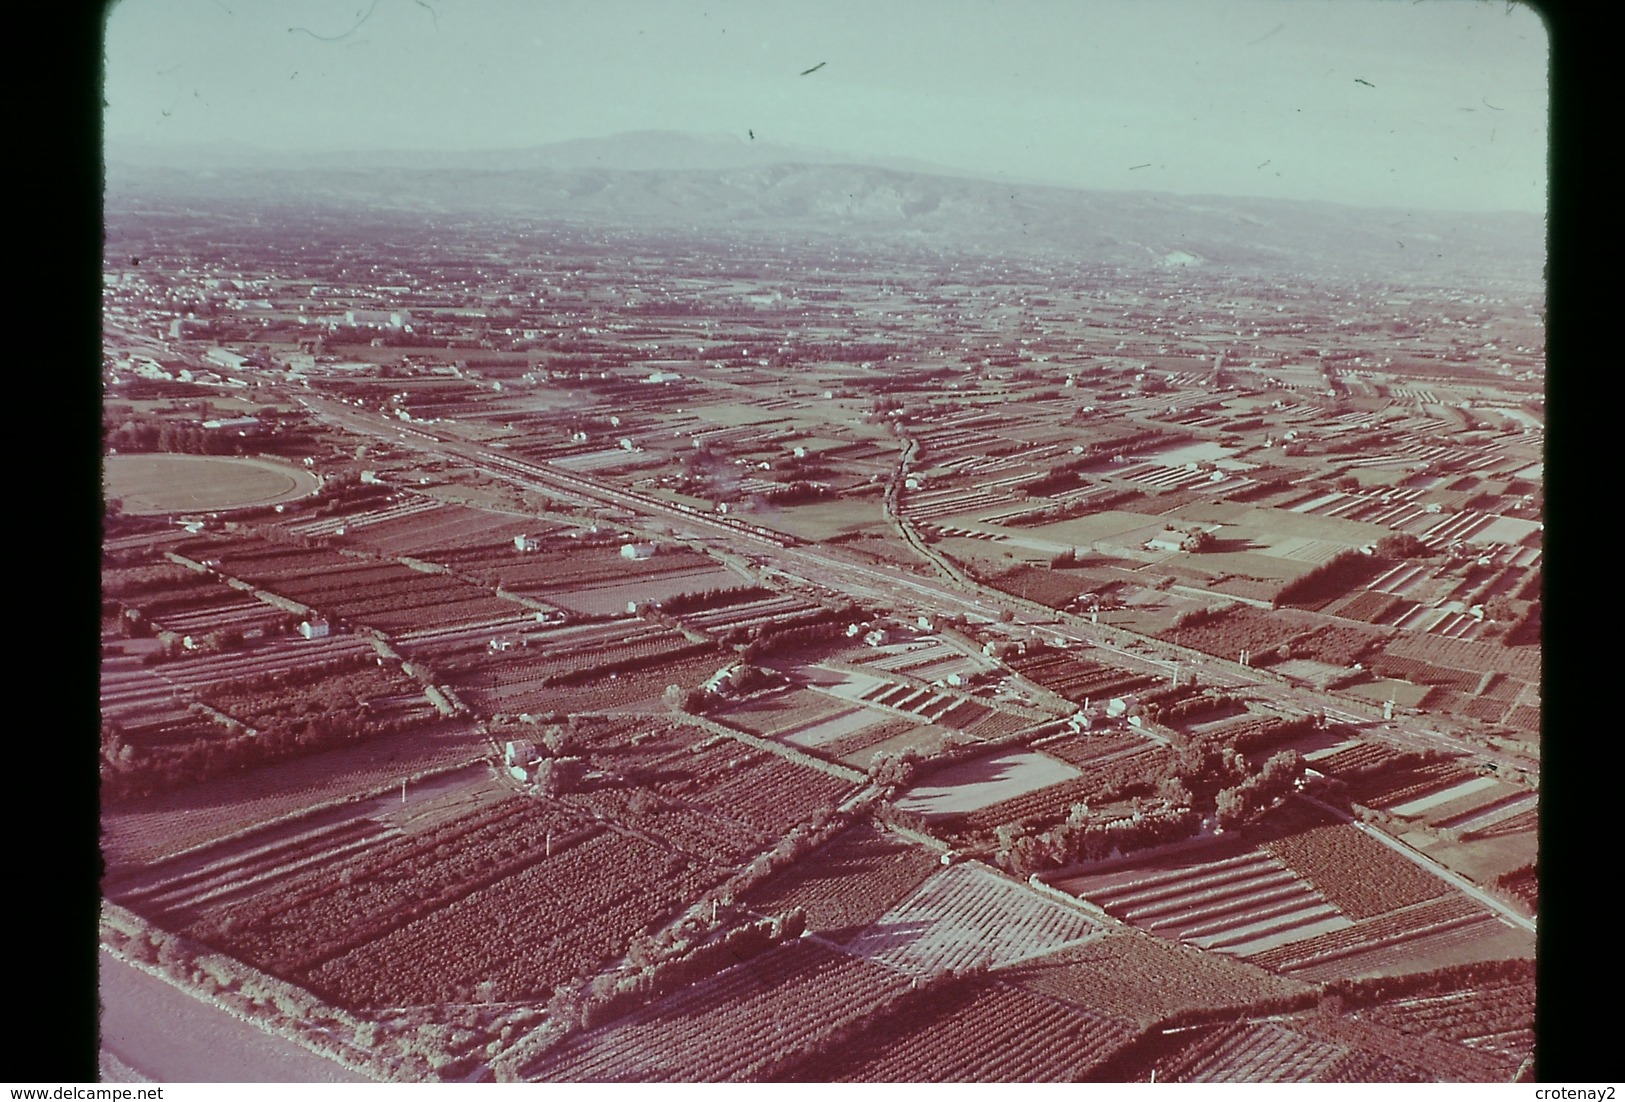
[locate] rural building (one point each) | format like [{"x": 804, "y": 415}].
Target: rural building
[
  {"x": 315, "y": 629},
  {"x": 229, "y": 360},
  {"x": 637, "y": 551},
  {"x": 239, "y": 423},
  {"x": 518, "y": 752},
  {"x": 523, "y": 542},
  {"x": 388, "y": 319},
  {"x": 721, "y": 681}
]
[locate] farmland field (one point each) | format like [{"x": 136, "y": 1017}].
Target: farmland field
[
  {"x": 972, "y": 785},
  {"x": 1254, "y": 1052},
  {"x": 369, "y": 915},
  {"x": 150, "y": 828},
  {"x": 1227, "y": 897},
  {"x": 641, "y": 642},
  {"x": 614, "y": 598},
  {"x": 151, "y": 485},
  {"x": 967, "y": 914},
  {"x": 1360, "y": 875},
  {"x": 974, "y": 1033},
  {"x": 848, "y": 884},
  {"x": 744, "y": 1024},
  {"x": 783, "y": 713},
  {"x": 1137, "y": 977}
]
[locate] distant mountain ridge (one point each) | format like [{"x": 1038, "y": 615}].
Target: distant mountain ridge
[{"x": 655, "y": 180}]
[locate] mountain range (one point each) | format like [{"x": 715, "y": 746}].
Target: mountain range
[{"x": 727, "y": 185}]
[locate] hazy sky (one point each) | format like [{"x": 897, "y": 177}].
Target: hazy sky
[{"x": 1432, "y": 103}]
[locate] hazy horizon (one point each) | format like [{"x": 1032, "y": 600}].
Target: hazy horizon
[{"x": 1441, "y": 105}]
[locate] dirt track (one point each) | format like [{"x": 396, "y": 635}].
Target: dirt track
[{"x": 167, "y": 1036}]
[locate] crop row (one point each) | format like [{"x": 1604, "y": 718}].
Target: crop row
[
  {"x": 444, "y": 528},
  {"x": 967, "y": 915},
  {"x": 1383, "y": 1054},
  {"x": 1227, "y": 634},
  {"x": 1100, "y": 781},
  {"x": 1391, "y": 927},
  {"x": 1084, "y": 749},
  {"x": 1399, "y": 786},
  {"x": 1520, "y": 662},
  {"x": 695, "y": 831},
  {"x": 1253, "y": 1052},
  {"x": 859, "y": 876},
  {"x": 1420, "y": 672},
  {"x": 1335, "y": 645},
  {"x": 1137, "y": 977},
  {"x": 345, "y": 693},
  {"x": 616, "y": 690},
  {"x": 740, "y": 1025},
  {"x": 158, "y": 578},
  {"x": 1372, "y": 783},
  {"x": 529, "y": 664},
  {"x": 979, "y": 1033},
  {"x": 1361, "y": 876},
  {"x": 327, "y": 912},
  {"x": 1074, "y": 679},
  {"x": 860, "y": 740},
  {"x": 993, "y": 725},
  {"x": 772, "y": 794},
  {"x": 782, "y": 713},
  {"x": 1253, "y": 732},
  {"x": 257, "y": 559},
  {"x": 1370, "y": 606},
  {"x": 523, "y": 934},
  {"x": 1359, "y": 759},
  {"x": 1483, "y": 1010}
]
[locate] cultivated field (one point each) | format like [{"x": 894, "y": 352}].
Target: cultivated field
[
  {"x": 967, "y": 914},
  {"x": 975, "y": 1033},
  {"x": 972, "y": 785},
  {"x": 747, "y": 1024}
]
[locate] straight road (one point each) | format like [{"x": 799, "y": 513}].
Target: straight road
[{"x": 168, "y": 1036}]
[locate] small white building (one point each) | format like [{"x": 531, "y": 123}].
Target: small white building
[
  {"x": 518, "y": 752},
  {"x": 636, "y": 551},
  {"x": 523, "y": 542},
  {"x": 315, "y": 629},
  {"x": 388, "y": 319}
]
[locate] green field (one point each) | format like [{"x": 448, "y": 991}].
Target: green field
[{"x": 151, "y": 485}]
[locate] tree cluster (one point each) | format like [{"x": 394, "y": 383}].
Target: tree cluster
[
  {"x": 702, "y": 599},
  {"x": 1402, "y": 545},
  {"x": 1329, "y": 578},
  {"x": 830, "y": 625},
  {"x": 1080, "y": 838},
  {"x": 1245, "y": 803}
]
